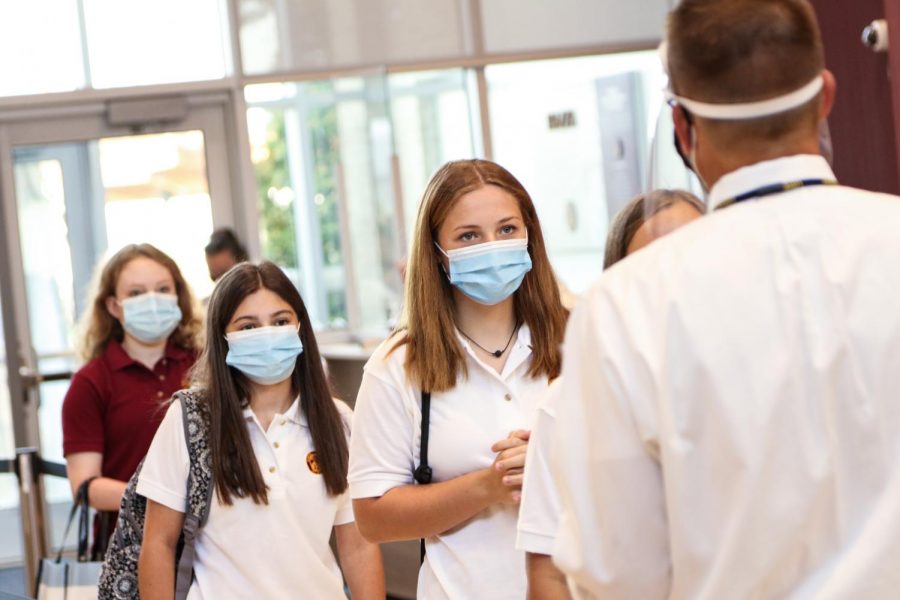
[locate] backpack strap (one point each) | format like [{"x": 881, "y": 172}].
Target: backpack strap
[
  {"x": 195, "y": 417},
  {"x": 422, "y": 474}
]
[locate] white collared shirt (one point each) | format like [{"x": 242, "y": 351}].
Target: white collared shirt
[
  {"x": 539, "y": 508},
  {"x": 731, "y": 403},
  {"x": 253, "y": 551},
  {"x": 477, "y": 559}
]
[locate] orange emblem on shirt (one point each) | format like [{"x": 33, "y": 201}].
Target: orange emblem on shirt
[{"x": 313, "y": 464}]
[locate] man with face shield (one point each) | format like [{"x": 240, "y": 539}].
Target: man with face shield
[{"x": 729, "y": 394}]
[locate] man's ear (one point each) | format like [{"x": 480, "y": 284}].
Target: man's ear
[
  {"x": 829, "y": 92},
  {"x": 683, "y": 129}
]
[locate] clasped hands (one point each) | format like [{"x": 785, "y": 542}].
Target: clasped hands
[{"x": 509, "y": 466}]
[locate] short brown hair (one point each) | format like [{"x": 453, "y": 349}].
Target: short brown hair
[
  {"x": 98, "y": 327},
  {"x": 434, "y": 356},
  {"x": 638, "y": 210},
  {"x": 732, "y": 51}
]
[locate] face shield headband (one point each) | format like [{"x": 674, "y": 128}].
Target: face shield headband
[
  {"x": 750, "y": 110},
  {"x": 744, "y": 110}
]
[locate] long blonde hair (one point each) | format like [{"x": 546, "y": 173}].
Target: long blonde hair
[
  {"x": 434, "y": 356},
  {"x": 98, "y": 327}
]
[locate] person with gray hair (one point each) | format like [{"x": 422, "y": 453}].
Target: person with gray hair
[{"x": 728, "y": 418}]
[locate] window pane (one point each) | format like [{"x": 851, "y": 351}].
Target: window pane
[
  {"x": 159, "y": 41},
  {"x": 281, "y": 36},
  {"x": 322, "y": 152},
  {"x": 46, "y": 252},
  {"x": 432, "y": 125},
  {"x": 513, "y": 25},
  {"x": 156, "y": 191},
  {"x": 576, "y": 132},
  {"x": 41, "y": 47},
  {"x": 322, "y": 147}
]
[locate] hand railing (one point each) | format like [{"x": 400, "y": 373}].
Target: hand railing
[{"x": 28, "y": 466}]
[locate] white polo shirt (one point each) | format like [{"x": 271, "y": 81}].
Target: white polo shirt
[
  {"x": 478, "y": 558},
  {"x": 730, "y": 399},
  {"x": 255, "y": 551},
  {"x": 539, "y": 508}
]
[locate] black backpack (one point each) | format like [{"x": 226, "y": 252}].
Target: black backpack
[{"x": 118, "y": 578}]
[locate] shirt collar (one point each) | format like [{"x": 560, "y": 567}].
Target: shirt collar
[
  {"x": 779, "y": 170},
  {"x": 176, "y": 352},
  {"x": 294, "y": 413},
  {"x": 118, "y": 359},
  {"x": 116, "y": 356}
]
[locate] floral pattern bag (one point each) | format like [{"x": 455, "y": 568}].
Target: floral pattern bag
[{"x": 118, "y": 578}]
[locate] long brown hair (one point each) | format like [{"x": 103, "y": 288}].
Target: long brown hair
[
  {"x": 98, "y": 327},
  {"x": 434, "y": 356},
  {"x": 226, "y": 390},
  {"x": 638, "y": 211}
]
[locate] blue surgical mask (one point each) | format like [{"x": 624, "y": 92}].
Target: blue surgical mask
[
  {"x": 266, "y": 355},
  {"x": 150, "y": 317},
  {"x": 489, "y": 273}
]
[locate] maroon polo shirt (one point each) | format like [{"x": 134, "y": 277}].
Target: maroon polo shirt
[{"x": 115, "y": 404}]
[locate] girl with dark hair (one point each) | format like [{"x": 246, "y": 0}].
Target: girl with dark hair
[
  {"x": 139, "y": 340},
  {"x": 480, "y": 333},
  {"x": 278, "y": 452}
]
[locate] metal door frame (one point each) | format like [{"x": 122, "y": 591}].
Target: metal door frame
[{"x": 211, "y": 112}]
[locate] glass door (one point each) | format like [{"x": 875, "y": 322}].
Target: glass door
[{"x": 80, "y": 189}]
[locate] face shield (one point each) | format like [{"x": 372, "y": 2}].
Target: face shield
[{"x": 672, "y": 167}]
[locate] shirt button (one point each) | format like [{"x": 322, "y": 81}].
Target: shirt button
[
  {"x": 283, "y": 422},
  {"x": 160, "y": 394},
  {"x": 162, "y": 377},
  {"x": 271, "y": 469},
  {"x": 276, "y": 445},
  {"x": 507, "y": 397}
]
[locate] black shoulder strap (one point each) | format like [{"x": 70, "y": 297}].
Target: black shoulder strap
[
  {"x": 422, "y": 474},
  {"x": 199, "y": 488}
]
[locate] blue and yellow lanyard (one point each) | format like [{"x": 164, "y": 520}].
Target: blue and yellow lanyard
[{"x": 776, "y": 188}]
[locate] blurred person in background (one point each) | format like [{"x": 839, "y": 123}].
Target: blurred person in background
[
  {"x": 223, "y": 251},
  {"x": 648, "y": 217}
]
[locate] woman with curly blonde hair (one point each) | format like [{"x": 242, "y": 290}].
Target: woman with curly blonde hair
[{"x": 139, "y": 340}]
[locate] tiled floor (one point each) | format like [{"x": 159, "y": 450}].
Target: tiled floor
[{"x": 12, "y": 581}]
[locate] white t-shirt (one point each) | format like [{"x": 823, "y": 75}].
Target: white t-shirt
[
  {"x": 255, "y": 551},
  {"x": 478, "y": 558},
  {"x": 539, "y": 508}
]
